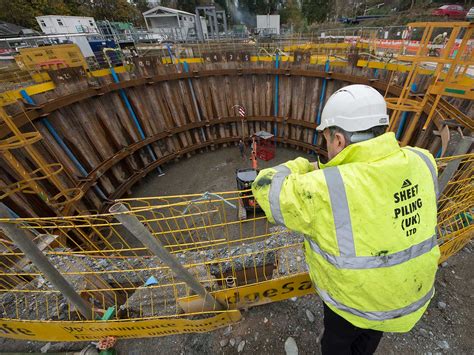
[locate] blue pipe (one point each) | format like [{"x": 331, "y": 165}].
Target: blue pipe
[
  {"x": 438, "y": 154},
  {"x": 169, "y": 52},
  {"x": 193, "y": 95},
  {"x": 376, "y": 73},
  {"x": 277, "y": 84},
  {"x": 401, "y": 126},
  {"x": 321, "y": 102},
  {"x": 61, "y": 143},
  {"x": 134, "y": 116},
  {"x": 404, "y": 117},
  {"x": 27, "y": 97},
  {"x": 128, "y": 105}
]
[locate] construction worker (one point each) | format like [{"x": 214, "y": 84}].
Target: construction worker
[
  {"x": 253, "y": 158},
  {"x": 368, "y": 216},
  {"x": 253, "y": 153},
  {"x": 438, "y": 41},
  {"x": 242, "y": 149},
  {"x": 441, "y": 38}
]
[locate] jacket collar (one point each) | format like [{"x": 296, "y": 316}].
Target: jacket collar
[{"x": 366, "y": 151}]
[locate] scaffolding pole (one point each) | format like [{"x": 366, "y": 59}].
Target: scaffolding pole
[
  {"x": 139, "y": 231},
  {"x": 50, "y": 273}
]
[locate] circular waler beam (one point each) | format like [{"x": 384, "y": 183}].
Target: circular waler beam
[
  {"x": 138, "y": 175},
  {"x": 43, "y": 110},
  {"x": 104, "y": 166}
]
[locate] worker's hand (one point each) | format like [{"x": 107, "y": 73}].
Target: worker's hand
[{"x": 316, "y": 165}]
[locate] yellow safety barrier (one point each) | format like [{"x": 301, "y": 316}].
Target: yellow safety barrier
[
  {"x": 44, "y": 83},
  {"x": 240, "y": 262},
  {"x": 83, "y": 331},
  {"x": 456, "y": 207}
]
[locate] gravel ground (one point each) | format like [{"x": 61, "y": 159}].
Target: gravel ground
[
  {"x": 444, "y": 329},
  {"x": 158, "y": 301}
]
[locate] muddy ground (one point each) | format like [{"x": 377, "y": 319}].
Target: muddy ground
[
  {"x": 446, "y": 328},
  {"x": 211, "y": 171}
]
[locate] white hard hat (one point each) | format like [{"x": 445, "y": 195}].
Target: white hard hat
[{"x": 354, "y": 108}]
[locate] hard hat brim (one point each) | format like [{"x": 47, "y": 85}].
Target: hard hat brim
[
  {"x": 351, "y": 124},
  {"x": 321, "y": 127}
]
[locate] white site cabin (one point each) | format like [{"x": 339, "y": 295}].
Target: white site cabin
[
  {"x": 268, "y": 24},
  {"x": 174, "y": 24},
  {"x": 59, "y": 24}
]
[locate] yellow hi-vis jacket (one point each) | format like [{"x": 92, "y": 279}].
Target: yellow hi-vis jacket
[{"x": 369, "y": 218}]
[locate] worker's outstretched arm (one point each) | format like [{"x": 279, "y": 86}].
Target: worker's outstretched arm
[{"x": 289, "y": 194}]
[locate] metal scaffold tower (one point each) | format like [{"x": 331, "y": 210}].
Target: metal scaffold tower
[
  {"x": 30, "y": 181},
  {"x": 449, "y": 61}
]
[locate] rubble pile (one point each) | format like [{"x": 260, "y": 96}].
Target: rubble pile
[{"x": 143, "y": 286}]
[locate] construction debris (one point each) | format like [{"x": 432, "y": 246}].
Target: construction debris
[
  {"x": 290, "y": 346},
  {"x": 153, "y": 289}
]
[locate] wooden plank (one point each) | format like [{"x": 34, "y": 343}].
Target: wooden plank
[
  {"x": 57, "y": 150},
  {"x": 68, "y": 80},
  {"x": 94, "y": 135},
  {"x": 115, "y": 104},
  {"x": 249, "y": 94},
  {"x": 269, "y": 96},
  {"x": 298, "y": 58},
  {"x": 77, "y": 140},
  {"x": 116, "y": 133},
  {"x": 230, "y": 99},
  {"x": 189, "y": 107},
  {"x": 17, "y": 202},
  {"x": 312, "y": 109},
  {"x": 144, "y": 112},
  {"x": 173, "y": 107},
  {"x": 163, "y": 118},
  {"x": 217, "y": 105},
  {"x": 287, "y": 103},
  {"x": 201, "y": 103}
]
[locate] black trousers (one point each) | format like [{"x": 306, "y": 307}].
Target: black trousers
[{"x": 341, "y": 337}]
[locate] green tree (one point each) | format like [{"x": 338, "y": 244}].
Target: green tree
[
  {"x": 187, "y": 5},
  {"x": 142, "y": 5},
  {"x": 19, "y": 12},
  {"x": 117, "y": 10},
  {"x": 52, "y": 7},
  {"x": 23, "y": 12},
  {"x": 260, "y": 7},
  {"x": 79, "y": 7},
  {"x": 290, "y": 14},
  {"x": 315, "y": 10}
]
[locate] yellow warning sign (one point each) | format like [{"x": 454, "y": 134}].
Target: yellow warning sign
[
  {"x": 240, "y": 297},
  {"x": 267, "y": 291},
  {"x": 237, "y": 298},
  {"x": 79, "y": 331}
]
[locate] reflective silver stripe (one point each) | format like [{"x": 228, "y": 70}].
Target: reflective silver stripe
[
  {"x": 372, "y": 262},
  {"x": 430, "y": 166},
  {"x": 377, "y": 315},
  {"x": 274, "y": 193},
  {"x": 340, "y": 211}
]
